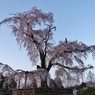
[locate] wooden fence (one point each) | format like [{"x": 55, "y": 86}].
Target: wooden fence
[{"x": 46, "y": 91}]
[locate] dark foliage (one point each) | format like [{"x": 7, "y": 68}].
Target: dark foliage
[{"x": 89, "y": 91}]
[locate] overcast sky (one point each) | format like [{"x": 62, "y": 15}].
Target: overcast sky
[{"x": 74, "y": 19}]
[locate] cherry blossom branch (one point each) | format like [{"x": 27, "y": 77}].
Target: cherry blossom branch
[{"x": 76, "y": 68}]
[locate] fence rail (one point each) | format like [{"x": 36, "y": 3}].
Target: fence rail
[{"x": 46, "y": 91}]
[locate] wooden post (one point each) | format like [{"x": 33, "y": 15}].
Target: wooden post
[{"x": 26, "y": 72}]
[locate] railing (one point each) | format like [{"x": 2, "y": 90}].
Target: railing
[
  {"x": 46, "y": 91},
  {"x": 21, "y": 91}
]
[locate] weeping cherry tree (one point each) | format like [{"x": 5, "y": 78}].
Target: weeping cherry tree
[{"x": 33, "y": 30}]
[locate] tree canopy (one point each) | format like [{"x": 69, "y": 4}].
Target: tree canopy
[{"x": 33, "y": 30}]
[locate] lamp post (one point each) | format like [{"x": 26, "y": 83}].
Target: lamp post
[{"x": 25, "y": 72}]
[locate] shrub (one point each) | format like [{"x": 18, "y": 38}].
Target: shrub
[{"x": 89, "y": 91}]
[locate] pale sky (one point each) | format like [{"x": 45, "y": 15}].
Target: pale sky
[{"x": 74, "y": 19}]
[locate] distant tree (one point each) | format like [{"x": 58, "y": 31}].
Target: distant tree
[
  {"x": 39, "y": 44},
  {"x": 90, "y": 76},
  {"x": 58, "y": 82},
  {"x": 7, "y": 84},
  {"x": 6, "y": 70},
  {"x": 2, "y": 80}
]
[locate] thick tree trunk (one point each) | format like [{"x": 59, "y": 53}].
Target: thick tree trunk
[
  {"x": 44, "y": 83},
  {"x": 49, "y": 66}
]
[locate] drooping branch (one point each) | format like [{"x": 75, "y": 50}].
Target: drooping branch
[
  {"x": 69, "y": 50},
  {"x": 75, "y": 68}
]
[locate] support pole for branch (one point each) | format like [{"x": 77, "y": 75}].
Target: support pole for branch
[{"x": 26, "y": 72}]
